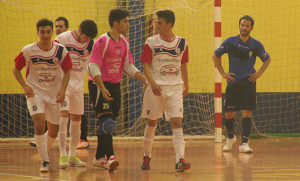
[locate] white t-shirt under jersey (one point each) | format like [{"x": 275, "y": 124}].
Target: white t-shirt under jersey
[
  {"x": 80, "y": 54},
  {"x": 43, "y": 68}
]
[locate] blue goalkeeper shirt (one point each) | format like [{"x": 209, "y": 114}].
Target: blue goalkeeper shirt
[{"x": 242, "y": 56}]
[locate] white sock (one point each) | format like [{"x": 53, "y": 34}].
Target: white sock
[
  {"x": 148, "y": 140},
  {"x": 178, "y": 143},
  {"x": 74, "y": 137},
  {"x": 62, "y": 135},
  {"x": 50, "y": 141},
  {"x": 41, "y": 143}
]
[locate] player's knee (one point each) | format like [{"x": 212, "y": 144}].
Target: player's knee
[
  {"x": 64, "y": 114},
  {"x": 152, "y": 123},
  {"x": 53, "y": 133},
  {"x": 107, "y": 125},
  {"x": 229, "y": 114}
]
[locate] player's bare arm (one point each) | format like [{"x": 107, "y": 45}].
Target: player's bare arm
[
  {"x": 61, "y": 94},
  {"x": 184, "y": 76},
  {"x": 27, "y": 90},
  {"x": 156, "y": 89},
  {"x": 105, "y": 93},
  {"x": 253, "y": 77},
  {"x": 139, "y": 76},
  {"x": 227, "y": 76},
  {"x": 132, "y": 71}
]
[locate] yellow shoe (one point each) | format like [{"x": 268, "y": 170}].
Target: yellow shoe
[
  {"x": 64, "y": 162},
  {"x": 76, "y": 162}
]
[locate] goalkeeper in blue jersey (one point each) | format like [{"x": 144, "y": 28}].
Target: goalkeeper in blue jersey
[{"x": 241, "y": 79}]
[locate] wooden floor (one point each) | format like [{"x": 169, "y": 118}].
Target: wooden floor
[{"x": 273, "y": 159}]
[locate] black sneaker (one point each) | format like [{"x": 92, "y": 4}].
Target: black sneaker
[
  {"x": 181, "y": 165},
  {"x": 45, "y": 166},
  {"x": 146, "y": 163}
]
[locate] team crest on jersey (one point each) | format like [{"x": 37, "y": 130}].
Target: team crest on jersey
[
  {"x": 85, "y": 51},
  {"x": 264, "y": 53},
  {"x": 55, "y": 60},
  {"x": 118, "y": 52},
  {"x": 250, "y": 53},
  {"x": 177, "y": 50}
]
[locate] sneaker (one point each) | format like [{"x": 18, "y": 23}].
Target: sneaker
[
  {"x": 181, "y": 165},
  {"x": 101, "y": 162},
  {"x": 45, "y": 166},
  {"x": 76, "y": 162},
  {"x": 146, "y": 163},
  {"x": 32, "y": 143},
  {"x": 244, "y": 148},
  {"x": 229, "y": 143},
  {"x": 112, "y": 163},
  {"x": 64, "y": 162},
  {"x": 83, "y": 144}
]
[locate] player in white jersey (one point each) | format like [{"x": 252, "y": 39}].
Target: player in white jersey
[
  {"x": 79, "y": 44},
  {"x": 110, "y": 58},
  {"x": 61, "y": 25},
  {"x": 164, "y": 59},
  {"x": 48, "y": 66}
]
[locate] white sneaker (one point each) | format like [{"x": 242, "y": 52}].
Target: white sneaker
[
  {"x": 76, "y": 162},
  {"x": 244, "y": 148},
  {"x": 112, "y": 163},
  {"x": 101, "y": 162},
  {"x": 229, "y": 143}
]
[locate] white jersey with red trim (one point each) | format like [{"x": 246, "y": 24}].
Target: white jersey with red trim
[
  {"x": 165, "y": 58},
  {"x": 80, "y": 54},
  {"x": 44, "y": 68}
]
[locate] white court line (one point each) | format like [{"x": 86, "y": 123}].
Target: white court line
[{"x": 32, "y": 177}]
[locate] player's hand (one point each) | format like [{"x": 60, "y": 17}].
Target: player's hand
[
  {"x": 156, "y": 89},
  {"x": 253, "y": 77},
  {"x": 229, "y": 76},
  {"x": 28, "y": 91},
  {"x": 60, "y": 96},
  {"x": 106, "y": 95},
  {"x": 185, "y": 93}
]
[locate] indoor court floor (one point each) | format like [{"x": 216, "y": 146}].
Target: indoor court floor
[{"x": 272, "y": 159}]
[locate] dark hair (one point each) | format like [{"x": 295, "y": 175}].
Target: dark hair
[
  {"x": 89, "y": 28},
  {"x": 63, "y": 19},
  {"x": 168, "y": 15},
  {"x": 44, "y": 22},
  {"x": 117, "y": 15},
  {"x": 249, "y": 18}
]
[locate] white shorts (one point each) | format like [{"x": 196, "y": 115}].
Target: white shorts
[
  {"x": 74, "y": 103},
  {"x": 170, "y": 102},
  {"x": 37, "y": 105}
]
